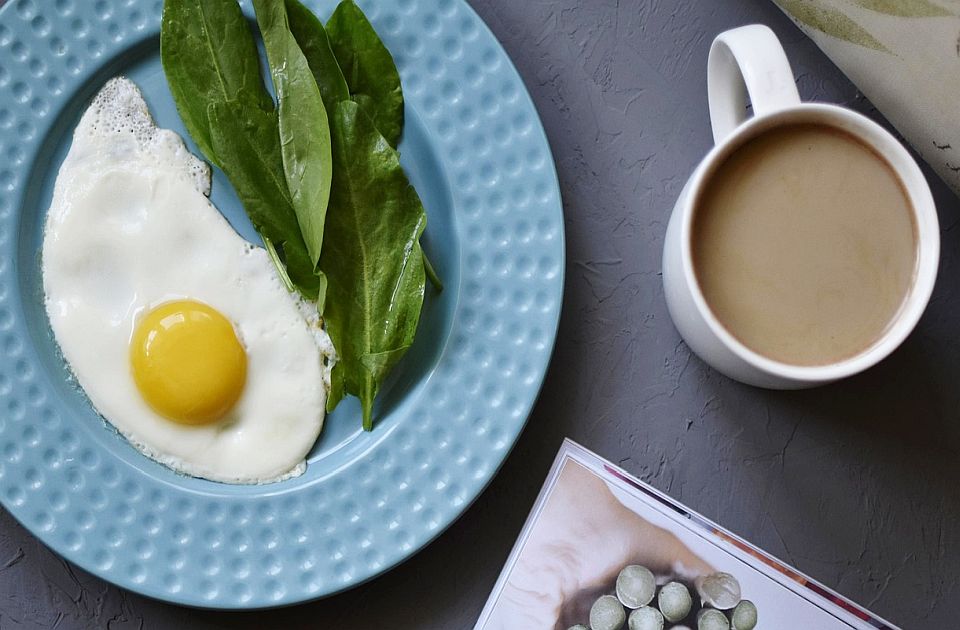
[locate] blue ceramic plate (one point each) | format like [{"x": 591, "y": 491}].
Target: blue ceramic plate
[{"x": 475, "y": 150}]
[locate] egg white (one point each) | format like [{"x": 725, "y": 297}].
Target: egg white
[{"x": 129, "y": 228}]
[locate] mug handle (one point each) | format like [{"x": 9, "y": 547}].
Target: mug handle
[{"x": 749, "y": 59}]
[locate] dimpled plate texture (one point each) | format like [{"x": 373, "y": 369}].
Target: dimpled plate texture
[{"x": 475, "y": 149}]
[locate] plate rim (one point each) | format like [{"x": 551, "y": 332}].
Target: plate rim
[{"x": 556, "y": 207}]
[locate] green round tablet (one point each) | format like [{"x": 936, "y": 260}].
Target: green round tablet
[
  {"x": 744, "y": 616},
  {"x": 712, "y": 619},
  {"x": 645, "y": 618},
  {"x": 607, "y": 614},
  {"x": 636, "y": 586},
  {"x": 719, "y": 590},
  {"x": 579, "y": 626},
  {"x": 674, "y": 601}
]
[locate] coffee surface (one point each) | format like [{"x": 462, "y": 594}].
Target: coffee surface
[{"x": 804, "y": 245}]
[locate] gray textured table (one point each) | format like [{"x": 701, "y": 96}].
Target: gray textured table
[{"x": 855, "y": 484}]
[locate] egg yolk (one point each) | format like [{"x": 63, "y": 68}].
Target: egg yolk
[{"x": 187, "y": 362}]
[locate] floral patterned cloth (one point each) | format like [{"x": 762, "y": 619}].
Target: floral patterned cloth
[{"x": 904, "y": 55}]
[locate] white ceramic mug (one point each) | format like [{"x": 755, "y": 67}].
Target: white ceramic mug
[{"x": 751, "y": 57}]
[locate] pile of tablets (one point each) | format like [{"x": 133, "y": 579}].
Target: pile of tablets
[{"x": 711, "y": 602}]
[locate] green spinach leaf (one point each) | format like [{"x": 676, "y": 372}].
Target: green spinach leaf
[
  {"x": 315, "y": 147},
  {"x": 208, "y": 55},
  {"x": 368, "y": 68},
  {"x": 302, "y": 121},
  {"x": 315, "y": 44},
  {"x": 212, "y": 66},
  {"x": 372, "y": 258},
  {"x": 247, "y": 141},
  {"x": 308, "y": 30}
]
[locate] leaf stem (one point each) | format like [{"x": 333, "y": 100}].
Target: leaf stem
[
  {"x": 275, "y": 257},
  {"x": 366, "y": 403},
  {"x": 432, "y": 274}
]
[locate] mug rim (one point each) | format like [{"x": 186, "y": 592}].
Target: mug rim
[{"x": 925, "y": 216}]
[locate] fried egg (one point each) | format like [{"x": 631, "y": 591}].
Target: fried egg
[{"x": 180, "y": 332}]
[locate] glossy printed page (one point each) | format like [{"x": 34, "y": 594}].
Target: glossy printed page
[{"x": 603, "y": 550}]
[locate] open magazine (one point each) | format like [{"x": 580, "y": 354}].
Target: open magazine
[{"x": 602, "y": 550}]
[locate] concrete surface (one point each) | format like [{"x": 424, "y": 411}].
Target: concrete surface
[{"x": 855, "y": 484}]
